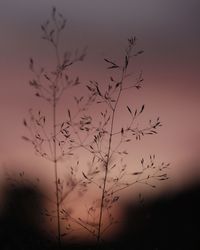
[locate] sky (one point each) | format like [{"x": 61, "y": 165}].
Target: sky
[{"x": 168, "y": 31}]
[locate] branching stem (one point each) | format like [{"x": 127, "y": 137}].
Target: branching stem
[{"x": 108, "y": 158}]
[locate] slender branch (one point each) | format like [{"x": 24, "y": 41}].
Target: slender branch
[
  {"x": 55, "y": 166},
  {"x": 108, "y": 157}
]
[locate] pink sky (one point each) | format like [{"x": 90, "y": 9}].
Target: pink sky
[{"x": 170, "y": 38}]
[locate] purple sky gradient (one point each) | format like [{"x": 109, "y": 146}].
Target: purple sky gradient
[{"x": 169, "y": 33}]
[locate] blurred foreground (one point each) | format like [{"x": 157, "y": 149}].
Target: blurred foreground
[{"x": 171, "y": 221}]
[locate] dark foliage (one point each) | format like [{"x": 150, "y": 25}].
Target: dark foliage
[
  {"x": 20, "y": 219},
  {"x": 169, "y": 222}
]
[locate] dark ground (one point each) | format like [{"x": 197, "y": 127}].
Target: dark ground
[{"x": 165, "y": 223}]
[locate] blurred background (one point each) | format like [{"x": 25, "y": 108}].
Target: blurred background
[{"x": 168, "y": 31}]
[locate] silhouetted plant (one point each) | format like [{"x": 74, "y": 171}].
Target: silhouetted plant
[
  {"x": 98, "y": 134},
  {"x": 49, "y": 86}
]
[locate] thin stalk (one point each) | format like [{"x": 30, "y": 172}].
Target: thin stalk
[
  {"x": 108, "y": 159},
  {"x": 54, "y": 136},
  {"x": 105, "y": 181},
  {"x": 55, "y": 166}
]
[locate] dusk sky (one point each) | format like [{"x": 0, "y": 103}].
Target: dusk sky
[{"x": 167, "y": 30}]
